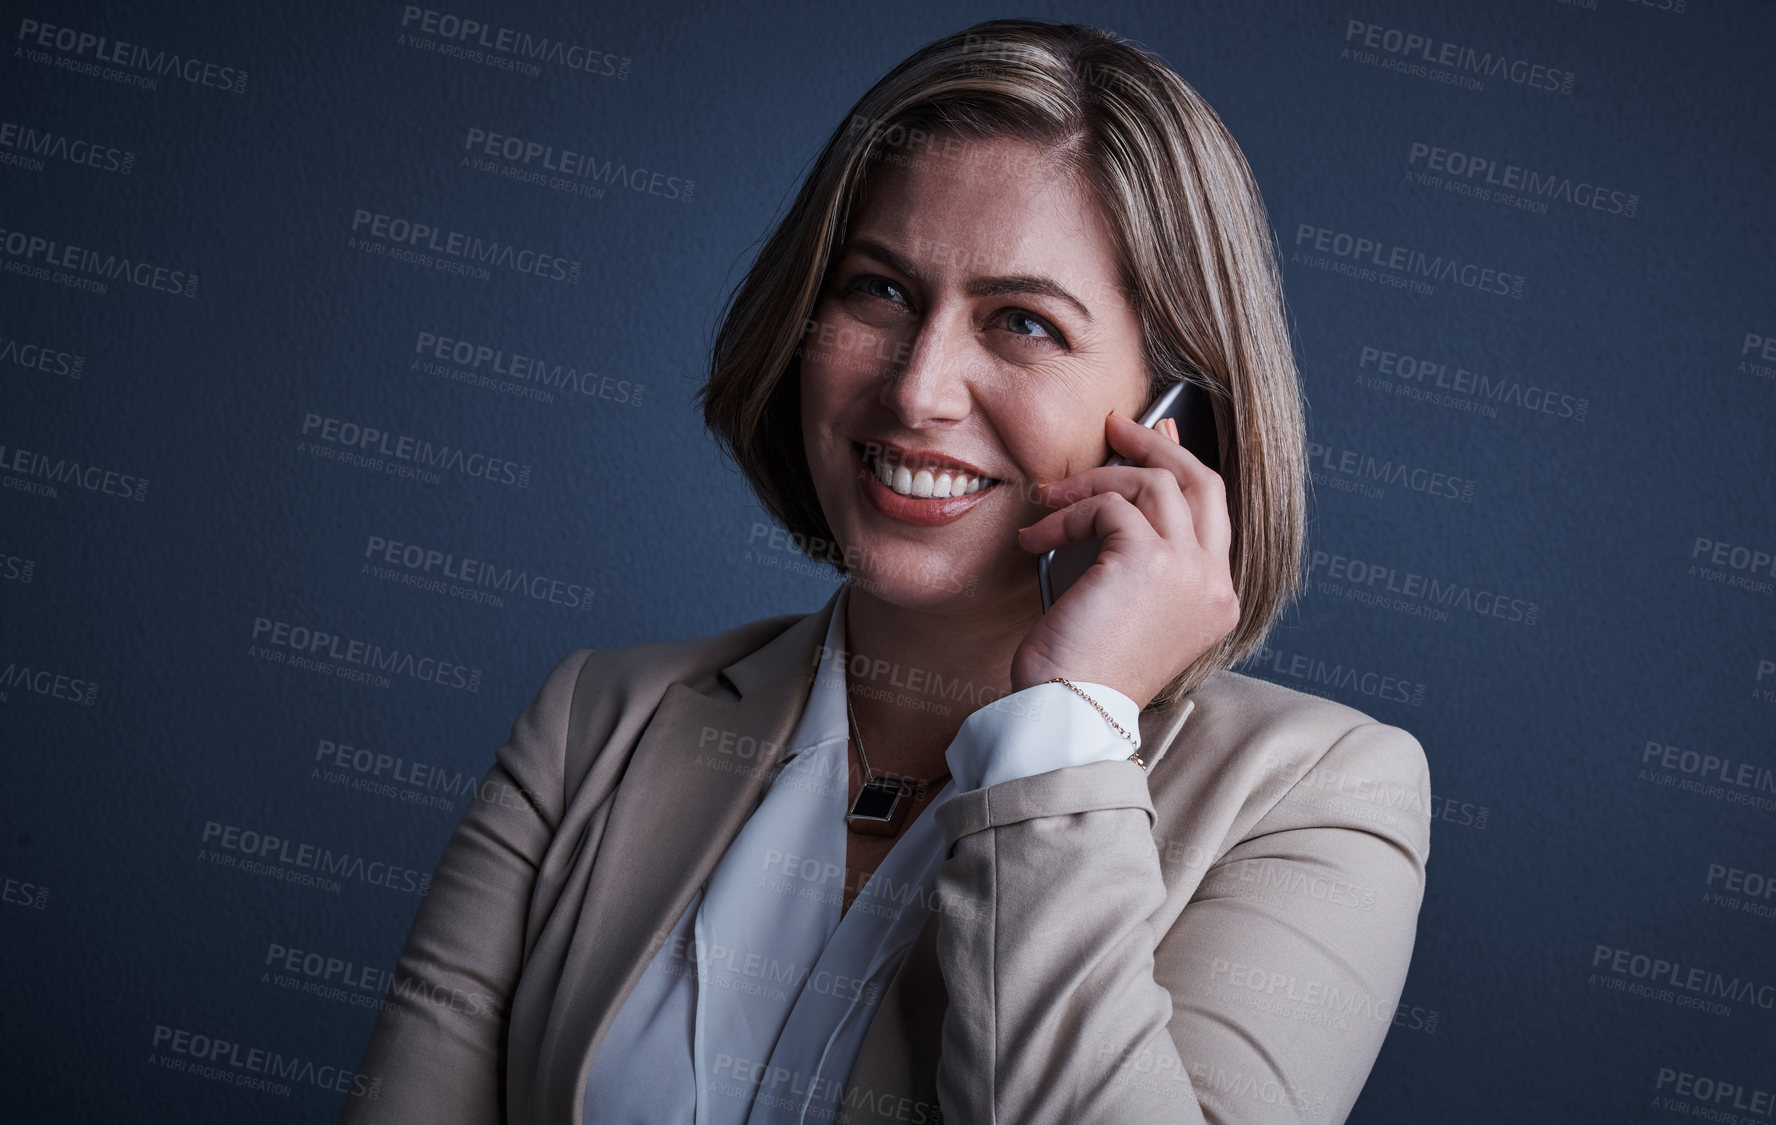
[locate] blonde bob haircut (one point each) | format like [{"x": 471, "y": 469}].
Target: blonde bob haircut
[{"x": 1199, "y": 266}]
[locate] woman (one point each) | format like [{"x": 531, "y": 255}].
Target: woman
[{"x": 1079, "y": 871}]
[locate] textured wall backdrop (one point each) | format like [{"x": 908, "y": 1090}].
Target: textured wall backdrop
[{"x": 346, "y": 357}]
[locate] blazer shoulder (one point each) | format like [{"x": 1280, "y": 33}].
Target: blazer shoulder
[
  {"x": 696, "y": 662},
  {"x": 1248, "y": 704},
  {"x": 1269, "y": 742},
  {"x": 598, "y": 698},
  {"x": 1306, "y": 728},
  {"x": 647, "y": 668}
]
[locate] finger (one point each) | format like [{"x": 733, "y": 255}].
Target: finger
[
  {"x": 1149, "y": 445},
  {"x": 1153, "y": 491},
  {"x": 1103, "y": 516},
  {"x": 1201, "y": 485}
]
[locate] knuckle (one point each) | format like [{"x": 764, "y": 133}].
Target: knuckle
[{"x": 1212, "y": 485}]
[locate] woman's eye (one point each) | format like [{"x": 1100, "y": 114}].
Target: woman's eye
[
  {"x": 1023, "y": 324},
  {"x": 876, "y": 286}
]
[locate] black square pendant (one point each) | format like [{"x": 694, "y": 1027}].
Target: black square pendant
[{"x": 879, "y": 808}]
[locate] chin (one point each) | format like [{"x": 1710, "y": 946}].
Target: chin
[
  {"x": 916, "y": 590},
  {"x": 906, "y": 576}
]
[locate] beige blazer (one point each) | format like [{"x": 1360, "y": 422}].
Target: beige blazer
[{"x": 1222, "y": 938}]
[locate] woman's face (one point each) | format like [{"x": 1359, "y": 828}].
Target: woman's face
[{"x": 972, "y": 325}]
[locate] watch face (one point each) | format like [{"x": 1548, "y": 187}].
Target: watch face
[{"x": 875, "y": 801}]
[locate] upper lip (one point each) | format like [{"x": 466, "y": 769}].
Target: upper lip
[{"x": 915, "y": 459}]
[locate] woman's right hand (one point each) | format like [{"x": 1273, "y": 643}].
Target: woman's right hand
[{"x": 1161, "y": 592}]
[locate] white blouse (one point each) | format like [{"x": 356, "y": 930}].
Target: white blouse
[{"x": 754, "y": 1009}]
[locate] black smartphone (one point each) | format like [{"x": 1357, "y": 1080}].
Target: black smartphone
[{"x": 1186, "y": 403}]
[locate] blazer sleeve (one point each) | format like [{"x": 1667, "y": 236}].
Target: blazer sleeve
[
  {"x": 1263, "y": 1001},
  {"x": 437, "y": 1052}
]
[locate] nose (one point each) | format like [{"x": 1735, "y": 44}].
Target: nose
[{"x": 930, "y": 385}]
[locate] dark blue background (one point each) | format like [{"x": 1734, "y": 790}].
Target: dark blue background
[{"x": 1553, "y": 836}]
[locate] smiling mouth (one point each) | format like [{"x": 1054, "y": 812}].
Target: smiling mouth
[{"x": 921, "y": 482}]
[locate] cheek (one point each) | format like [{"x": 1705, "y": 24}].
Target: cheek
[
  {"x": 823, "y": 380},
  {"x": 846, "y": 355},
  {"x": 1058, "y": 444},
  {"x": 1056, "y": 427},
  {"x": 1086, "y": 449}
]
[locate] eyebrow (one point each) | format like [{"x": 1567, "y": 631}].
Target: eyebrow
[{"x": 979, "y": 287}]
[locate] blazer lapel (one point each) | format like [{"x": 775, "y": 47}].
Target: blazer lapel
[{"x": 696, "y": 774}]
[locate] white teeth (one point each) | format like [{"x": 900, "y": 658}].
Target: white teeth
[{"x": 924, "y": 484}]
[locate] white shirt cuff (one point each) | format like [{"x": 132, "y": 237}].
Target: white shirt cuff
[{"x": 1041, "y": 728}]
